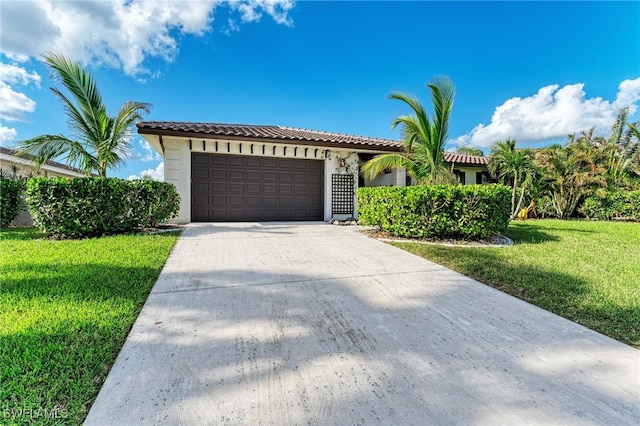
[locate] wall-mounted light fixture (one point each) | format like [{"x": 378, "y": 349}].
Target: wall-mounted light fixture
[{"x": 343, "y": 162}]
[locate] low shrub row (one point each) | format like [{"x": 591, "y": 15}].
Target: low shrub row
[
  {"x": 84, "y": 207},
  {"x": 615, "y": 205},
  {"x": 468, "y": 211},
  {"x": 11, "y": 203}
]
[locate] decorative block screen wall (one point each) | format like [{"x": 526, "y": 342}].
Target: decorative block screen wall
[{"x": 342, "y": 194}]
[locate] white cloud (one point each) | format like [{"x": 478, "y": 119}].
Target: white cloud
[
  {"x": 7, "y": 134},
  {"x": 553, "y": 112},
  {"x": 13, "y": 73},
  {"x": 155, "y": 174},
  {"x": 118, "y": 33},
  {"x": 147, "y": 153},
  {"x": 14, "y": 105}
]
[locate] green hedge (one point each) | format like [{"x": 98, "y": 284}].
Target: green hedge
[
  {"x": 615, "y": 205},
  {"x": 83, "y": 207},
  {"x": 11, "y": 203},
  {"x": 468, "y": 211}
]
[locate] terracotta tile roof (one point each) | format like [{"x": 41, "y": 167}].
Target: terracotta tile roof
[
  {"x": 284, "y": 134},
  {"x": 454, "y": 157},
  {"x": 276, "y": 133}
]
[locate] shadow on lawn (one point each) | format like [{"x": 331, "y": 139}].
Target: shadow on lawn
[
  {"x": 557, "y": 292},
  {"x": 27, "y": 233},
  {"x": 527, "y": 234}
]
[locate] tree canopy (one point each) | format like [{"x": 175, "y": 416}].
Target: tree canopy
[{"x": 98, "y": 141}]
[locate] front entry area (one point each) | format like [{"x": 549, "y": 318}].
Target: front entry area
[{"x": 236, "y": 188}]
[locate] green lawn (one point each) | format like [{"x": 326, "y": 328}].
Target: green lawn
[
  {"x": 588, "y": 272},
  {"x": 65, "y": 310}
]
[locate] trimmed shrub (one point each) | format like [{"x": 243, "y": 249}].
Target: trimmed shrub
[
  {"x": 614, "y": 205},
  {"x": 83, "y": 207},
  {"x": 468, "y": 211},
  {"x": 11, "y": 203}
]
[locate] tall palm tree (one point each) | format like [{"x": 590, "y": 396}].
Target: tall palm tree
[
  {"x": 512, "y": 167},
  {"x": 99, "y": 141},
  {"x": 423, "y": 139}
]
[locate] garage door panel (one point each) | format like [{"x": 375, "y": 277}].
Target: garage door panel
[
  {"x": 216, "y": 200},
  {"x": 218, "y": 174},
  {"x": 218, "y": 187},
  {"x": 244, "y": 188},
  {"x": 254, "y": 162},
  {"x": 301, "y": 178},
  {"x": 285, "y": 177},
  {"x": 201, "y": 187},
  {"x": 270, "y": 176},
  {"x": 285, "y": 214},
  {"x": 237, "y": 174},
  {"x": 200, "y": 200},
  {"x": 269, "y": 201},
  {"x": 217, "y": 160},
  {"x": 236, "y": 187},
  {"x": 268, "y": 188},
  {"x": 200, "y": 173},
  {"x": 300, "y": 189},
  {"x": 285, "y": 189},
  {"x": 235, "y": 200},
  {"x": 253, "y": 188}
]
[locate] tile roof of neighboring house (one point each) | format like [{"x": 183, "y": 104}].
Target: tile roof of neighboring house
[
  {"x": 454, "y": 157},
  {"x": 284, "y": 135},
  {"x": 10, "y": 151}
]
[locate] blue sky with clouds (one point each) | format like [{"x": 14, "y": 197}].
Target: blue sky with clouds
[{"x": 534, "y": 71}]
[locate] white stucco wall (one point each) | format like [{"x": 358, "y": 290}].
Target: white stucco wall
[
  {"x": 397, "y": 177},
  {"x": 332, "y": 166},
  {"x": 469, "y": 173}
]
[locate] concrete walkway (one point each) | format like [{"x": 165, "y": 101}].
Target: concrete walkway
[{"x": 318, "y": 324}]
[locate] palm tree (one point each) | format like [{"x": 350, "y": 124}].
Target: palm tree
[
  {"x": 470, "y": 150},
  {"x": 512, "y": 167},
  {"x": 422, "y": 139},
  {"x": 99, "y": 141},
  {"x": 572, "y": 172}
]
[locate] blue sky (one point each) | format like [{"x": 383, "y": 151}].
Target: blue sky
[{"x": 534, "y": 71}]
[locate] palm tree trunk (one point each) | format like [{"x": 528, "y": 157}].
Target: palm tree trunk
[{"x": 513, "y": 197}]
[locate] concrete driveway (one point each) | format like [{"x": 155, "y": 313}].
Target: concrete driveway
[{"x": 310, "y": 323}]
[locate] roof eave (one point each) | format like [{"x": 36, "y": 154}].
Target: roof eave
[{"x": 332, "y": 144}]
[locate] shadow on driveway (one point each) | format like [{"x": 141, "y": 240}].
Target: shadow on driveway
[{"x": 318, "y": 324}]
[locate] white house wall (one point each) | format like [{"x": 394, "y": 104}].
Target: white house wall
[
  {"x": 397, "y": 177},
  {"x": 469, "y": 173}
]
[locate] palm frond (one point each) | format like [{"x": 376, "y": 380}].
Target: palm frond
[
  {"x": 381, "y": 162},
  {"x": 44, "y": 148}
]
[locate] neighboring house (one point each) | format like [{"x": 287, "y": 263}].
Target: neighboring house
[
  {"x": 11, "y": 164},
  {"x": 10, "y": 161},
  {"x": 237, "y": 172}
]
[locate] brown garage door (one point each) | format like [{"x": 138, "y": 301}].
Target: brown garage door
[{"x": 233, "y": 188}]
